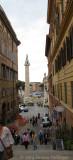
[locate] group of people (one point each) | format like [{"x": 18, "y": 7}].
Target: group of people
[
  {"x": 31, "y": 137},
  {"x": 34, "y": 120},
  {"x": 26, "y": 139},
  {"x": 44, "y": 137}
]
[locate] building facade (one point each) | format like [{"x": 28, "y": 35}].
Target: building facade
[
  {"x": 8, "y": 69},
  {"x": 60, "y": 18},
  {"x": 35, "y": 86}
]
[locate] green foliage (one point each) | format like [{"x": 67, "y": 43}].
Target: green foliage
[
  {"x": 40, "y": 104},
  {"x": 41, "y": 85},
  {"x": 66, "y": 136},
  {"x": 21, "y": 84}
]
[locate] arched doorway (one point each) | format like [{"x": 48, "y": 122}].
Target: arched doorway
[{"x": 3, "y": 112}]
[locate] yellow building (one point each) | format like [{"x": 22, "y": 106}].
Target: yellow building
[{"x": 60, "y": 18}]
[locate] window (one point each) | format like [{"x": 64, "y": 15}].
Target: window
[
  {"x": 62, "y": 7},
  {"x": 64, "y": 54},
  {"x": 71, "y": 42},
  {"x": 8, "y": 107},
  {"x": 3, "y": 92},
  {"x": 53, "y": 69},
  {"x": 72, "y": 92},
  {"x": 11, "y": 74},
  {"x": 66, "y": 93},
  {"x": 3, "y": 70},
  {"x": 58, "y": 89},
  {"x": 7, "y": 73},
  {"x": 68, "y": 48},
  {"x": 56, "y": 26},
  {"x": 58, "y": 18},
  {"x": 53, "y": 91},
  {"x": 61, "y": 90},
  {"x": 3, "y": 48}
]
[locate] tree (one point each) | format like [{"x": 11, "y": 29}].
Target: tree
[{"x": 21, "y": 84}]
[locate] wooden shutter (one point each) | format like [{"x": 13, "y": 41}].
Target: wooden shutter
[
  {"x": 62, "y": 7},
  {"x": 66, "y": 93},
  {"x": 64, "y": 53},
  {"x": 71, "y": 40},
  {"x": 56, "y": 26},
  {"x": 68, "y": 48},
  {"x": 72, "y": 92}
]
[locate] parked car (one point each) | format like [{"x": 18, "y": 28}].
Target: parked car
[
  {"x": 21, "y": 108},
  {"x": 26, "y": 109},
  {"x": 46, "y": 122},
  {"x": 44, "y": 115}
]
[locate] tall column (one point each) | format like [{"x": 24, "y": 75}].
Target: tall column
[{"x": 27, "y": 87}]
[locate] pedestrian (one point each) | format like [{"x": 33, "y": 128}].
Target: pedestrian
[
  {"x": 41, "y": 138},
  {"x": 13, "y": 132},
  {"x": 34, "y": 140},
  {"x": 33, "y": 121},
  {"x": 26, "y": 140},
  {"x": 36, "y": 120},
  {"x": 45, "y": 138},
  {"x": 6, "y": 138},
  {"x": 30, "y": 119}
]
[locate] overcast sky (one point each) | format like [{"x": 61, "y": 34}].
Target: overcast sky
[{"x": 29, "y": 21}]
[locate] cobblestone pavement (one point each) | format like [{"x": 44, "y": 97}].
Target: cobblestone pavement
[{"x": 43, "y": 152}]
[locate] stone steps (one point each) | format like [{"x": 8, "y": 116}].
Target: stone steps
[{"x": 39, "y": 147}]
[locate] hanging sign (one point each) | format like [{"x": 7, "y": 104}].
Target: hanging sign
[{"x": 59, "y": 109}]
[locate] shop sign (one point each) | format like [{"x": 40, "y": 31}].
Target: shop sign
[{"x": 59, "y": 109}]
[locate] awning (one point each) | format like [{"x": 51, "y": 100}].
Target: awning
[{"x": 58, "y": 109}]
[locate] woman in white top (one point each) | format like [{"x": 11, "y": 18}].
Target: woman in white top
[{"x": 6, "y": 137}]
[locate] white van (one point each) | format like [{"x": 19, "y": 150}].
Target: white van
[{"x": 46, "y": 122}]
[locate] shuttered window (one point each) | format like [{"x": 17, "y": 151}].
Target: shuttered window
[
  {"x": 68, "y": 48},
  {"x": 72, "y": 92},
  {"x": 66, "y": 93},
  {"x": 61, "y": 90},
  {"x": 3, "y": 92},
  {"x": 71, "y": 42},
  {"x": 53, "y": 69},
  {"x": 3, "y": 70},
  {"x": 56, "y": 26},
  {"x": 3, "y": 48},
  {"x": 58, "y": 18},
  {"x": 62, "y": 7},
  {"x": 53, "y": 91},
  {"x": 62, "y": 52},
  {"x": 7, "y": 73},
  {"x": 60, "y": 59},
  {"x": 58, "y": 90},
  {"x": 64, "y": 56}
]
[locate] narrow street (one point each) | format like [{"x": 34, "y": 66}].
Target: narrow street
[{"x": 43, "y": 151}]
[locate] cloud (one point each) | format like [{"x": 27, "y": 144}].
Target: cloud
[
  {"x": 33, "y": 44},
  {"x": 28, "y": 19}
]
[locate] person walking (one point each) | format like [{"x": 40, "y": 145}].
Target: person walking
[
  {"x": 34, "y": 140},
  {"x": 33, "y": 121},
  {"x": 41, "y": 138},
  {"x": 5, "y": 138},
  {"x": 36, "y": 120},
  {"x": 45, "y": 138},
  {"x": 26, "y": 140}
]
